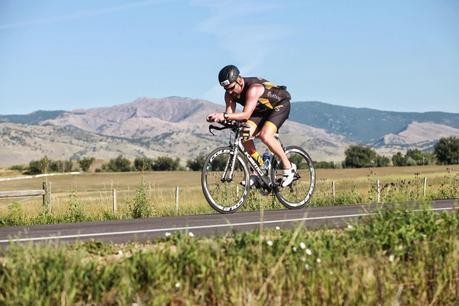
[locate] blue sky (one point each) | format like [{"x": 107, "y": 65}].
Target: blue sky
[{"x": 390, "y": 55}]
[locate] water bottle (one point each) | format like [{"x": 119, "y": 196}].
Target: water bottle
[{"x": 266, "y": 161}]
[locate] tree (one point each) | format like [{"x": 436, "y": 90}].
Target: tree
[
  {"x": 398, "y": 160},
  {"x": 358, "y": 156},
  {"x": 165, "y": 163},
  {"x": 119, "y": 164},
  {"x": 197, "y": 163},
  {"x": 446, "y": 150},
  {"x": 382, "y": 161},
  {"x": 86, "y": 163},
  {"x": 143, "y": 163},
  {"x": 56, "y": 166},
  {"x": 44, "y": 164},
  {"x": 34, "y": 167}
]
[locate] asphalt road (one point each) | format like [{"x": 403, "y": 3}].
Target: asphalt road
[{"x": 212, "y": 224}]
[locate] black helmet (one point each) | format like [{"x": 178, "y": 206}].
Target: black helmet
[{"x": 228, "y": 75}]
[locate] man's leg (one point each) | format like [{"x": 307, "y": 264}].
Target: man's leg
[
  {"x": 249, "y": 145},
  {"x": 267, "y": 136}
]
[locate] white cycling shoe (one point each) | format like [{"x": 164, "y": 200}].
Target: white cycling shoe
[{"x": 288, "y": 176}]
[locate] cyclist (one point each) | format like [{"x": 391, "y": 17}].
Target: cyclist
[{"x": 265, "y": 108}]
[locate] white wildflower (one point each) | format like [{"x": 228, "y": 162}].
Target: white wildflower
[
  {"x": 318, "y": 260},
  {"x": 302, "y": 245},
  {"x": 309, "y": 252},
  {"x": 191, "y": 234},
  {"x": 277, "y": 228},
  {"x": 294, "y": 249},
  {"x": 120, "y": 253},
  {"x": 177, "y": 285},
  {"x": 307, "y": 267},
  {"x": 391, "y": 258},
  {"x": 400, "y": 247},
  {"x": 349, "y": 226},
  {"x": 303, "y": 258},
  {"x": 269, "y": 242},
  {"x": 167, "y": 234}
]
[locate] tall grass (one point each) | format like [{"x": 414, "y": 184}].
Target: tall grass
[{"x": 394, "y": 258}]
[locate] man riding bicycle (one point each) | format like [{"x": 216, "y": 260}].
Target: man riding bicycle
[{"x": 265, "y": 108}]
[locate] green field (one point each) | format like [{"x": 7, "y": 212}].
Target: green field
[
  {"x": 395, "y": 258},
  {"x": 89, "y": 196}
]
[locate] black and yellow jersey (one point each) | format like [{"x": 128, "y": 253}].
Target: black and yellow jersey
[{"x": 272, "y": 96}]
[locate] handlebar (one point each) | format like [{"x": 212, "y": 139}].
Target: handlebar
[{"x": 227, "y": 124}]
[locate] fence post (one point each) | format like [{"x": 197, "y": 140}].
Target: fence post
[
  {"x": 115, "y": 208},
  {"x": 334, "y": 190},
  {"x": 176, "y": 199},
  {"x": 425, "y": 186},
  {"x": 378, "y": 187},
  {"x": 47, "y": 195}
]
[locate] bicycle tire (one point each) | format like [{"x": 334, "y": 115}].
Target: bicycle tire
[
  {"x": 222, "y": 197},
  {"x": 300, "y": 192}
]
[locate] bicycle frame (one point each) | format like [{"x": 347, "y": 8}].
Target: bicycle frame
[{"x": 237, "y": 147}]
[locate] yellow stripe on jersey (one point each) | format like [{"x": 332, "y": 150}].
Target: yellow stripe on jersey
[
  {"x": 268, "y": 85},
  {"x": 265, "y": 102}
]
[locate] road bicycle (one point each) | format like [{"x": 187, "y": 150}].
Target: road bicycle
[{"x": 226, "y": 173}]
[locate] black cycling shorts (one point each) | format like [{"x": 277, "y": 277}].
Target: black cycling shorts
[{"x": 274, "y": 117}]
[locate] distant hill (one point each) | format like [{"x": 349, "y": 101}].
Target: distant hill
[
  {"x": 363, "y": 125},
  {"x": 172, "y": 126},
  {"x": 32, "y": 118},
  {"x": 176, "y": 126}
]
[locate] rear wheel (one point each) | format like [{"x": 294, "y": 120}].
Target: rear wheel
[
  {"x": 299, "y": 192},
  {"x": 225, "y": 191}
]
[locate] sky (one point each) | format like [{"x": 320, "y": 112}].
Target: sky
[{"x": 389, "y": 55}]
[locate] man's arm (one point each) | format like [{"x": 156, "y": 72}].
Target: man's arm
[
  {"x": 230, "y": 104},
  {"x": 253, "y": 93}
]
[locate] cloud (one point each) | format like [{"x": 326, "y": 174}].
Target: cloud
[
  {"x": 242, "y": 32},
  {"x": 78, "y": 15}
]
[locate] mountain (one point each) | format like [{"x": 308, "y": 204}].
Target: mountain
[
  {"x": 364, "y": 125},
  {"x": 172, "y": 126},
  {"x": 32, "y": 118},
  {"x": 176, "y": 127},
  {"x": 418, "y": 135}
]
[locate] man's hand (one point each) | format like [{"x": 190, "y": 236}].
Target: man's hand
[{"x": 215, "y": 117}]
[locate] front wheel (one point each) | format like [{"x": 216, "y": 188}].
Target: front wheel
[
  {"x": 300, "y": 191},
  {"x": 225, "y": 187}
]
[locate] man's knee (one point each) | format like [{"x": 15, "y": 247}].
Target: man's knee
[{"x": 266, "y": 135}]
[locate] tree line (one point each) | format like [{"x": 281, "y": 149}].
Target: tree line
[{"x": 446, "y": 151}]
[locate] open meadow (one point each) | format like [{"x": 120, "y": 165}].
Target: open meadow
[{"x": 89, "y": 196}]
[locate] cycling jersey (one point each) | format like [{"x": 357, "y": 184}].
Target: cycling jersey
[
  {"x": 272, "y": 96},
  {"x": 273, "y": 107}
]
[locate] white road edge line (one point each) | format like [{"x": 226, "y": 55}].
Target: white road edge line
[{"x": 198, "y": 227}]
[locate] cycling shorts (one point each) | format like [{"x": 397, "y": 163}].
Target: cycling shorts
[{"x": 274, "y": 117}]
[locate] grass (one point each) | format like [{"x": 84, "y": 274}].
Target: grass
[
  {"x": 93, "y": 193},
  {"x": 411, "y": 259}
]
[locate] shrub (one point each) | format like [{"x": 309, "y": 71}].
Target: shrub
[
  {"x": 86, "y": 163},
  {"x": 447, "y": 150},
  {"x": 165, "y": 163},
  {"x": 143, "y": 163},
  {"x": 358, "y": 156},
  {"x": 140, "y": 207},
  {"x": 119, "y": 164},
  {"x": 197, "y": 163}
]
